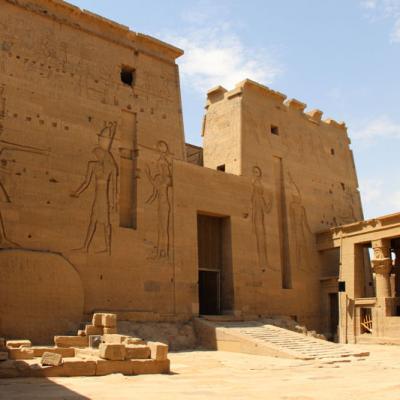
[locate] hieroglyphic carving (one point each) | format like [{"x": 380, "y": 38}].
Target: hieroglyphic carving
[
  {"x": 104, "y": 172},
  {"x": 161, "y": 181},
  {"x": 301, "y": 232},
  {"x": 260, "y": 207}
]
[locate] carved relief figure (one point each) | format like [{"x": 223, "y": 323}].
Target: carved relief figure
[
  {"x": 4, "y": 196},
  {"x": 301, "y": 232},
  {"x": 103, "y": 172},
  {"x": 261, "y": 205},
  {"x": 161, "y": 181}
]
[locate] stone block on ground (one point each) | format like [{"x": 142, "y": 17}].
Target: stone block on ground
[
  {"x": 20, "y": 353},
  {"x": 18, "y": 343},
  {"x": 93, "y": 330},
  {"x": 97, "y": 319},
  {"x": 114, "y": 338},
  {"x": 63, "y": 351},
  {"x": 159, "y": 351},
  {"x": 109, "y": 320},
  {"x": 137, "y": 351},
  {"x": 69, "y": 367},
  {"x": 140, "y": 367},
  {"x": 51, "y": 359},
  {"x": 105, "y": 367},
  {"x": 112, "y": 351},
  {"x": 95, "y": 341},
  {"x": 133, "y": 340},
  {"x": 71, "y": 341},
  {"x": 3, "y": 355}
]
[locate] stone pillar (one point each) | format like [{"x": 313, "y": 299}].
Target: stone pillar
[
  {"x": 396, "y": 272},
  {"x": 382, "y": 267}
]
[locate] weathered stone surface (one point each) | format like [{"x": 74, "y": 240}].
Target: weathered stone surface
[
  {"x": 18, "y": 343},
  {"x": 93, "y": 330},
  {"x": 3, "y": 355},
  {"x": 110, "y": 331},
  {"x": 159, "y": 351},
  {"x": 70, "y": 367},
  {"x": 114, "y": 338},
  {"x": 133, "y": 340},
  {"x": 140, "y": 367},
  {"x": 2, "y": 343},
  {"x": 71, "y": 341},
  {"x": 97, "y": 319},
  {"x": 105, "y": 367},
  {"x": 137, "y": 351},
  {"x": 109, "y": 320},
  {"x": 51, "y": 359},
  {"x": 112, "y": 351},
  {"x": 20, "y": 353},
  {"x": 63, "y": 351}
]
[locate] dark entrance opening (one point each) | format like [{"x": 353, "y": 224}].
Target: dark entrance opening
[
  {"x": 334, "y": 314},
  {"x": 215, "y": 265},
  {"x": 209, "y": 292}
]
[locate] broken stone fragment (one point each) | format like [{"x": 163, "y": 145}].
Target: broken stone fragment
[
  {"x": 51, "y": 359},
  {"x": 159, "y": 351},
  {"x": 18, "y": 343},
  {"x": 81, "y": 332},
  {"x": 112, "y": 351}
]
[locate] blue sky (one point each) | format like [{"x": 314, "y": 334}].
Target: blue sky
[{"x": 341, "y": 56}]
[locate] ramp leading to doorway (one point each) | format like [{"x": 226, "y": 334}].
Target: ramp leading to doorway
[{"x": 254, "y": 337}]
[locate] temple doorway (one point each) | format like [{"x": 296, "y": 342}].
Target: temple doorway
[{"x": 215, "y": 268}]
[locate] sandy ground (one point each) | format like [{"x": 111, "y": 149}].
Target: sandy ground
[{"x": 222, "y": 375}]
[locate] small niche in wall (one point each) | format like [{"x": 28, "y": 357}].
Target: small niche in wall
[
  {"x": 274, "y": 130},
  {"x": 128, "y": 75},
  {"x": 332, "y": 152},
  {"x": 221, "y": 167}
]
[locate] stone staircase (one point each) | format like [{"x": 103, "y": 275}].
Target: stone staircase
[{"x": 256, "y": 337}]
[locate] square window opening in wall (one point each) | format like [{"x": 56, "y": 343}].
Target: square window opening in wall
[
  {"x": 274, "y": 130},
  {"x": 128, "y": 75},
  {"x": 221, "y": 167}
]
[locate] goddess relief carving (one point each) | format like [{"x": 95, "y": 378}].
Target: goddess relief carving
[
  {"x": 301, "y": 232},
  {"x": 261, "y": 205},
  {"x": 161, "y": 181},
  {"x": 103, "y": 173}
]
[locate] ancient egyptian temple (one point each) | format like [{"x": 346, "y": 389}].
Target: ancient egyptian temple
[{"x": 104, "y": 208}]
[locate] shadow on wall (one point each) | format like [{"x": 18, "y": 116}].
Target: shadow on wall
[{"x": 41, "y": 295}]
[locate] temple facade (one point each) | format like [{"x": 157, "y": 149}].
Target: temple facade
[{"x": 104, "y": 208}]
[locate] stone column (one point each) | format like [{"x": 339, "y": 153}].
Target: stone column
[{"x": 382, "y": 266}]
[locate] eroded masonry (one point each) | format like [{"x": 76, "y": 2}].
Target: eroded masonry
[{"x": 104, "y": 208}]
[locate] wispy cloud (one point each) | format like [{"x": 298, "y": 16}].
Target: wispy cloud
[
  {"x": 380, "y": 127},
  {"x": 386, "y": 9},
  {"x": 216, "y": 55},
  {"x": 374, "y": 197}
]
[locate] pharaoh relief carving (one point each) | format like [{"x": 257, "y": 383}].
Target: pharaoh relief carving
[
  {"x": 301, "y": 234},
  {"x": 102, "y": 173},
  {"x": 261, "y": 206},
  {"x": 161, "y": 181}
]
